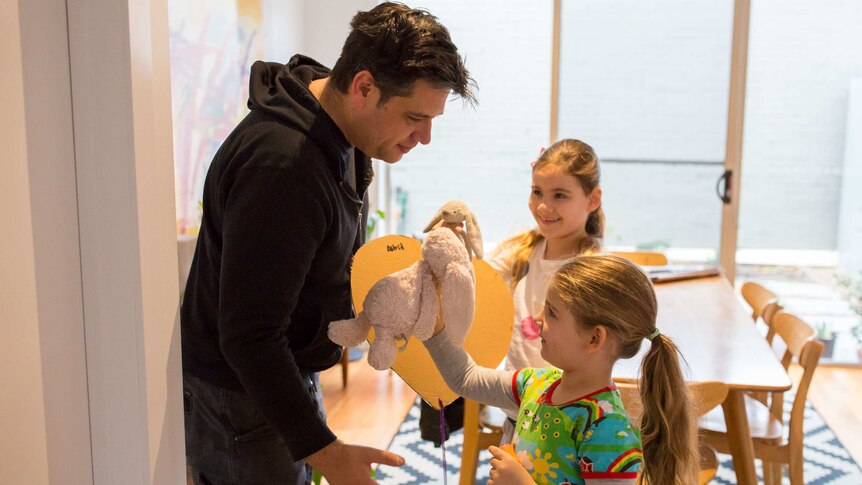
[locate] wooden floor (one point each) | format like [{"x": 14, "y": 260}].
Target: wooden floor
[
  {"x": 375, "y": 403},
  {"x": 836, "y": 393},
  {"x": 372, "y": 407}
]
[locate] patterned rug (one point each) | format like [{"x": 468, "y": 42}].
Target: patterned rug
[{"x": 826, "y": 460}]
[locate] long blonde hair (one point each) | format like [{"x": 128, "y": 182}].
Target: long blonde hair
[
  {"x": 578, "y": 160},
  {"x": 614, "y": 293}
]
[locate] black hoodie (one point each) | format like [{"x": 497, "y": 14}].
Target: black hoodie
[{"x": 271, "y": 269}]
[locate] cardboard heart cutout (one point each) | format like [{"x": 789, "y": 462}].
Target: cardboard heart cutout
[{"x": 489, "y": 335}]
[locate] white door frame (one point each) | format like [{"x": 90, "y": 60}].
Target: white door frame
[{"x": 88, "y": 293}]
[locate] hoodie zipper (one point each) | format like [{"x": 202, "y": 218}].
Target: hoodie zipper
[{"x": 355, "y": 198}]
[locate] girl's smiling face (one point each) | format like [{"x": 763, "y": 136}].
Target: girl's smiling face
[{"x": 559, "y": 205}]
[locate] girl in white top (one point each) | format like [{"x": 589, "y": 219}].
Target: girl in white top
[{"x": 566, "y": 202}]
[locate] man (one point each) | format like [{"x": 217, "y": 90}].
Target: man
[{"x": 283, "y": 204}]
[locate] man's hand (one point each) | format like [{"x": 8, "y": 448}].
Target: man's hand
[
  {"x": 341, "y": 463},
  {"x": 507, "y": 470}
]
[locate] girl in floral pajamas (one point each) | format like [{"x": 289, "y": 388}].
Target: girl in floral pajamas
[{"x": 572, "y": 427}]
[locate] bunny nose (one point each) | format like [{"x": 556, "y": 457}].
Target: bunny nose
[{"x": 529, "y": 329}]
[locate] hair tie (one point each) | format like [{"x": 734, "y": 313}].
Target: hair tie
[{"x": 655, "y": 333}]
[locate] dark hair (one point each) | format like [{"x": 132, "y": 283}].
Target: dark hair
[{"x": 400, "y": 45}]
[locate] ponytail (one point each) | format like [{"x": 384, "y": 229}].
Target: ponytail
[
  {"x": 595, "y": 229},
  {"x": 523, "y": 245},
  {"x": 668, "y": 429}
]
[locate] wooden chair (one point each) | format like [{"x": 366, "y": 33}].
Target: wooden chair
[
  {"x": 764, "y": 306},
  {"x": 483, "y": 427},
  {"x": 766, "y": 423},
  {"x": 757, "y": 296},
  {"x": 643, "y": 258},
  {"x": 345, "y": 362},
  {"x": 704, "y": 397},
  {"x": 767, "y": 315}
]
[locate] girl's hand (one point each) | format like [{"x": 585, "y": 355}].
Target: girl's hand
[{"x": 507, "y": 470}]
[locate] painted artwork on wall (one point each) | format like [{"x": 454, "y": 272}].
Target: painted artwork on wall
[{"x": 213, "y": 44}]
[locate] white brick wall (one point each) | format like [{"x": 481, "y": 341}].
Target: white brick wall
[{"x": 801, "y": 58}]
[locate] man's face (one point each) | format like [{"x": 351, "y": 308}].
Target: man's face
[{"x": 387, "y": 132}]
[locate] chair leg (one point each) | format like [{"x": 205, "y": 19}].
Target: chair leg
[
  {"x": 778, "y": 472},
  {"x": 345, "y": 360},
  {"x": 771, "y": 473},
  {"x": 767, "y": 473},
  {"x": 795, "y": 468},
  {"x": 469, "y": 459},
  {"x": 470, "y": 447}
]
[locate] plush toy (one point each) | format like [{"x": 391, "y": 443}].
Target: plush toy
[
  {"x": 457, "y": 212},
  {"x": 405, "y": 303}
]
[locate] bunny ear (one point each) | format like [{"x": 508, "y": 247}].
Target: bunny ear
[
  {"x": 474, "y": 235},
  {"x": 437, "y": 218}
]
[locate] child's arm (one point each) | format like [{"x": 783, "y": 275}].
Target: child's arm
[{"x": 465, "y": 378}]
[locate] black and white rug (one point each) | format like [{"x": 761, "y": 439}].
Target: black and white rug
[{"x": 826, "y": 460}]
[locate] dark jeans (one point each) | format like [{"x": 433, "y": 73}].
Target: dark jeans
[{"x": 228, "y": 442}]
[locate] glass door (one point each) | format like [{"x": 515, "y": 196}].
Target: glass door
[
  {"x": 647, "y": 85},
  {"x": 800, "y": 224}
]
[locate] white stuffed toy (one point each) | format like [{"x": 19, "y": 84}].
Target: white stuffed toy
[
  {"x": 457, "y": 212},
  {"x": 405, "y": 303}
]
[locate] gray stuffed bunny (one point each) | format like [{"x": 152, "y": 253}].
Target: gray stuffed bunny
[
  {"x": 405, "y": 303},
  {"x": 457, "y": 212}
]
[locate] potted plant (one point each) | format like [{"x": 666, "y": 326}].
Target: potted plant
[
  {"x": 374, "y": 218},
  {"x": 852, "y": 289},
  {"x": 857, "y": 334},
  {"x": 825, "y": 335}
]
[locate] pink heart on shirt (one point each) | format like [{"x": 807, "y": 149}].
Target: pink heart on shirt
[{"x": 529, "y": 329}]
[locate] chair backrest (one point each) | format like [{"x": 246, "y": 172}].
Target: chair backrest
[
  {"x": 704, "y": 396},
  {"x": 643, "y": 258},
  {"x": 631, "y": 401},
  {"x": 757, "y": 296},
  {"x": 803, "y": 345},
  {"x": 767, "y": 315}
]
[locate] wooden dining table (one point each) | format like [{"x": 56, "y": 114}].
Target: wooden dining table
[{"x": 719, "y": 341}]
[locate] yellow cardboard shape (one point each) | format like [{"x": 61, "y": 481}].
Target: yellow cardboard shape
[{"x": 489, "y": 335}]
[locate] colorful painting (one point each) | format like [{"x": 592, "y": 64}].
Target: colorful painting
[{"x": 213, "y": 44}]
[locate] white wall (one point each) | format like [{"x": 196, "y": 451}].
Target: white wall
[
  {"x": 22, "y": 414},
  {"x": 283, "y": 28},
  {"x": 121, "y": 97},
  {"x": 90, "y": 356},
  {"x": 850, "y": 216},
  {"x": 316, "y": 28},
  {"x": 327, "y": 23},
  {"x": 53, "y": 208}
]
